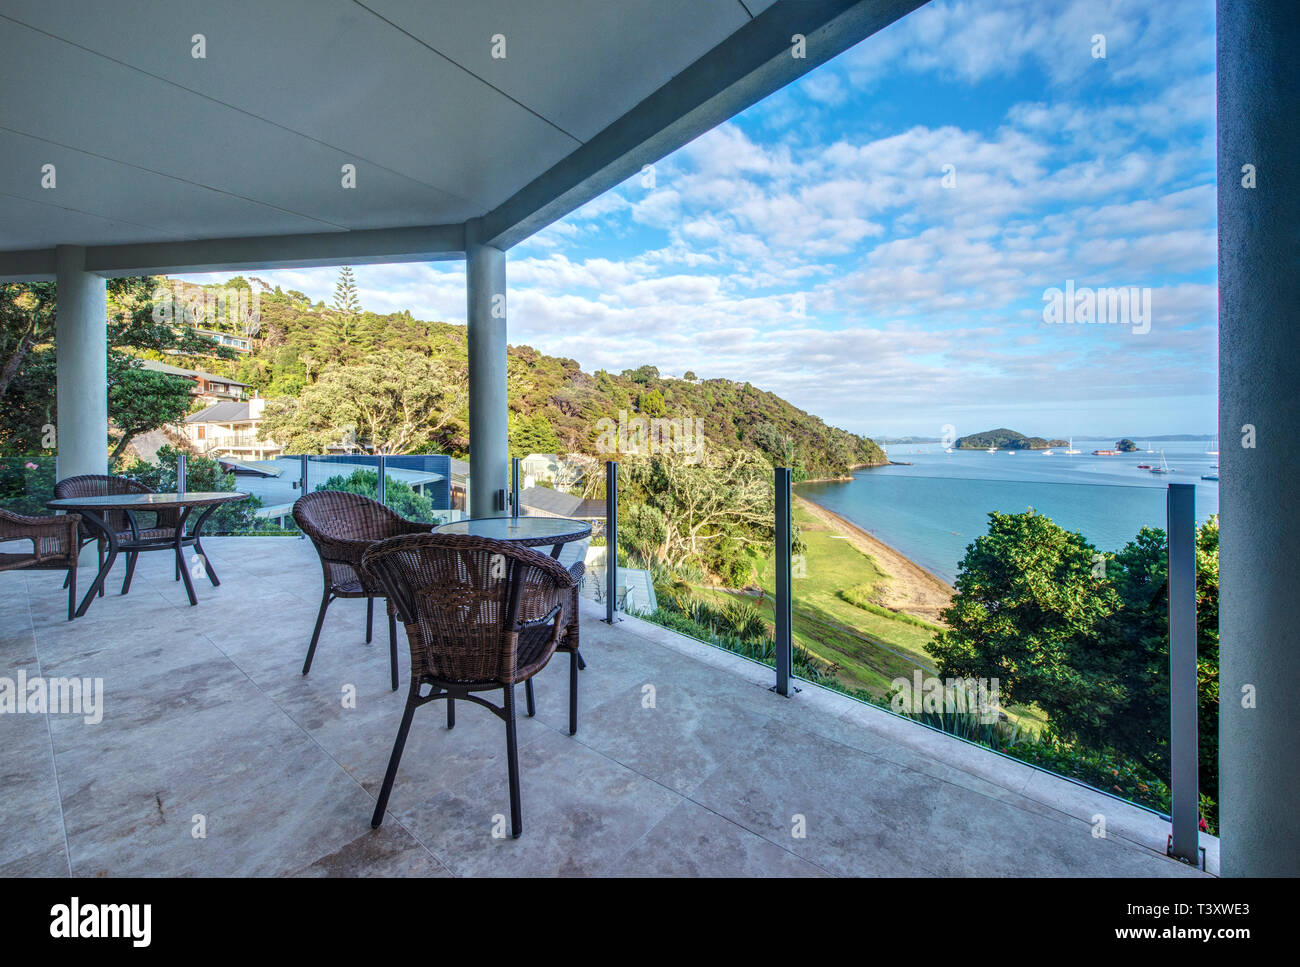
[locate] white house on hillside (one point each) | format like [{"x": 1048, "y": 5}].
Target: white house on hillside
[{"x": 230, "y": 429}]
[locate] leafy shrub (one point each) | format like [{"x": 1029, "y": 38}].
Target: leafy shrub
[
  {"x": 398, "y": 494},
  {"x": 26, "y": 483},
  {"x": 201, "y": 474}
]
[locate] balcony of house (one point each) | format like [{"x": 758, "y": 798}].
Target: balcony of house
[{"x": 684, "y": 761}]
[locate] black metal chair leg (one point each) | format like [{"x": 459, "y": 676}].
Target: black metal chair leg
[
  {"x": 528, "y": 693},
  {"x": 315, "y": 635},
  {"x": 512, "y": 758},
  {"x": 574, "y": 658},
  {"x": 392, "y": 648},
  {"x": 70, "y": 582},
  {"x": 370, "y": 618},
  {"x": 101, "y": 567},
  {"x": 394, "y": 759},
  {"x": 582, "y": 665},
  {"x": 451, "y": 713},
  {"x": 130, "y": 570}
]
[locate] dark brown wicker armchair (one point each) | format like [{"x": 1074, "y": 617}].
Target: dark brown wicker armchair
[
  {"x": 54, "y": 547},
  {"x": 155, "y": 533},
  {"x": 479, "y": 615},
  {"x": 342, "y": 526}
]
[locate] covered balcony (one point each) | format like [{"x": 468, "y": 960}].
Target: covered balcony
[{"x": 166, "y": 139}]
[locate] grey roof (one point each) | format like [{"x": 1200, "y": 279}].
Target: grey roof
[
  {"x": 225, "y": 412},
  {"x": 160, "y": 367},
  {"x": 561, "y": 504}
]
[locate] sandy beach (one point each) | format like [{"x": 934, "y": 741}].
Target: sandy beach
[{"x": 910, "y": 588}]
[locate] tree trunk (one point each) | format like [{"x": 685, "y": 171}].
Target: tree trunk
[
  {"x": 15, "y": 361},
  {"x": 121, "y": 446}
]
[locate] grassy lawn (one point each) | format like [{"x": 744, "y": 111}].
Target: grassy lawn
[{"x": 862, "y": 649}]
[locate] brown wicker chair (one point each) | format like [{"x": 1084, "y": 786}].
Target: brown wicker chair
[
  {"x": 54, "y": 547},
  {"x": 156, "y": 534},
  {"x": 479, "y": 615},
  {"x": 342, "y": 526}
]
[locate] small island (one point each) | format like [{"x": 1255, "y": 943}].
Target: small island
[{"x": 1004, "y": 439}]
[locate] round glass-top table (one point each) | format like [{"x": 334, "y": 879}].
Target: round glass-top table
[
  {"x": 529, "y": 531},
  {"x": 168, "y": 533}
]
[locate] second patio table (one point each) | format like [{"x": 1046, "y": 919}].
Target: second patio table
[
  {"x": 529, "y": 531},
  {"x": 95, "y": 510}
]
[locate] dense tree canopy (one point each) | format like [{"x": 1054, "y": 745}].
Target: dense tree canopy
[
  {"x": 704, "y": 515},
  {"x": 393, "y": 402},
  {"x": 1029, "y": 599},
  {"x": 1084, "y": 635},
  {"x": 300, "y": 342},
  {"x": 139, "y": 400}
]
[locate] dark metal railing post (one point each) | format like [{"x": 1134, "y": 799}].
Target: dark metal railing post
[
  {"x": 611, "y": 539},
  {"x": 383, "y": 480},
  {"x": 784, "y": 574},
  {"x": 514, "y": 486},
  {"x": 302, "y": 489},
  {"x": 180, "y": 473},
  {"x": 1184, "y": 797}
]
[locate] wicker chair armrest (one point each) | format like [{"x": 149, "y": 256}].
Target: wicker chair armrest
[
  {"x": 343, "y": 549},
  {"x": 51, "y": 537},
  {"x": 552, "y": 598},
  {"x": 552, "y": 617}
]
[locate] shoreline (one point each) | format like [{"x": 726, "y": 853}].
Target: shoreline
[
  {"x": 909, "y": 588},
  {"x": 853, "y": 467}
]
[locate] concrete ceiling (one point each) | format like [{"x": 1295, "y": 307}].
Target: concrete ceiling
[{"x": 155, "y": 148}]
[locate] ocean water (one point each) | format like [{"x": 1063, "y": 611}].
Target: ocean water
[{"x": 933, "y": 509}]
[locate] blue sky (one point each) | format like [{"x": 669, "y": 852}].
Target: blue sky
[{"x": 812, "y": 247}]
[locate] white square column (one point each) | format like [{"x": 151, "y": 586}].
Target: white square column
[
  {"x": 489, "y": 453},
  {"x": 81, "y": 344}
]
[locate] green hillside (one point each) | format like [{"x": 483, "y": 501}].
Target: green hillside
[{"x": 304, "y": 351}]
